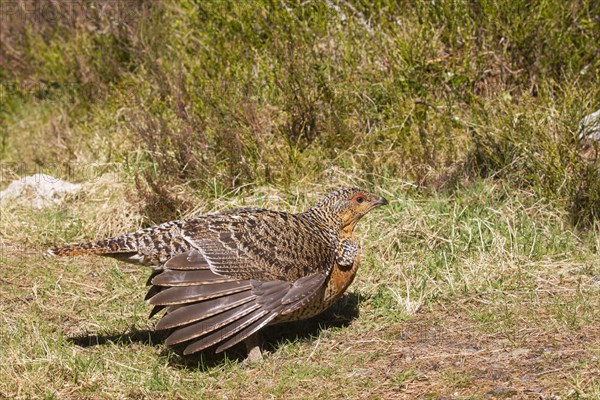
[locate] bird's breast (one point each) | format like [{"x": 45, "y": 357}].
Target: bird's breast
[{"x": 341, "y": 278}]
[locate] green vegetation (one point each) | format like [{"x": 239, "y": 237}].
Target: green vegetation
[{"x": 479, "y": 280}]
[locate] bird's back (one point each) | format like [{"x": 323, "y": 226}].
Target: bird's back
[{"x": 245, "y": 243}]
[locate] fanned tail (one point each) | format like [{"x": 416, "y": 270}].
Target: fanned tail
[{"x": 204, "y": 308}]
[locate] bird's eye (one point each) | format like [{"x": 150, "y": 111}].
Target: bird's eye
[{"x": 360, "y": 199}]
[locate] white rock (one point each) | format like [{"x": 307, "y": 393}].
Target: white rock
[
  {"x": 589, "y": 126},
  {"x": 38, "y": 191}
]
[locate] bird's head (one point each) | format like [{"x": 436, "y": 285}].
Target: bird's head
[{"x": 344, "y": 207}]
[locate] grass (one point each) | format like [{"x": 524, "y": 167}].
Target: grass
[
  {"x": 432, "y": 313},
  {"x": 479, "y": 280}
]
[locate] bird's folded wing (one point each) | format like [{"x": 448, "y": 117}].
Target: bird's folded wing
[
  {"x": 205, "y": 308},
  {"x": 260, "y": 245}
]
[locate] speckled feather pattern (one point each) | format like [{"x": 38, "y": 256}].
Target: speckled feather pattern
[{"x": 222, "y": 277}]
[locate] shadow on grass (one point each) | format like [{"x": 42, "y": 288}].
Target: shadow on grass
[
  {"x": 144, "y": 336},
  {"x": 339, "y": 315}
]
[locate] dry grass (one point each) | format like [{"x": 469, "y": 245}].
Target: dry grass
[{"x": 508, "y": 311}]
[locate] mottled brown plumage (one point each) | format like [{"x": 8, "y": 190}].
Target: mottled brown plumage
[{"x": 222, "y": 277}]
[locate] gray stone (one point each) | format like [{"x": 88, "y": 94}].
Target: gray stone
[
  {"x": 589, "y": 127},
  {"x": 38, "y": 191}
]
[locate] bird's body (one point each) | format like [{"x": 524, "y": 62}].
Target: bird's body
[{"x": 222, "y": 277}]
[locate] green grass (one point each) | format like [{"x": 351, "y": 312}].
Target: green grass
[{"x": 479, "y": 279}]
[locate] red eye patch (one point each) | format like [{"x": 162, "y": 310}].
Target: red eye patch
[{"x": 358, "y": 198}]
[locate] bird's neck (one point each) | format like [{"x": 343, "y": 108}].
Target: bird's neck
[{"x": 324, "y": 218}]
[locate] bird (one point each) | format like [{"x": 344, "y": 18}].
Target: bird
[{"x": 222, "y": 277}]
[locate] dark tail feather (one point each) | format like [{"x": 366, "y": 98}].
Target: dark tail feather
[
  {"x": 227, "y": 331},
  {"x": 189, "y": 294},
  {"x": 155, "y": 310},
  {"x": 212, "y": 323},
  {"x": 154, "y": 290},
  {"x": 195, "y": 312},
  {"x": 187, "y": 278},
  {"x": 163, "y": 279},
  {"x": 246, "y": 332}
]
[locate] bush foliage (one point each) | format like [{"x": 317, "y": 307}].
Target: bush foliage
[{"x": 214, "y": 96}]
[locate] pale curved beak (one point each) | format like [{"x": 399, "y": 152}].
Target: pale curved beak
[{"x": 382, "y": 201}]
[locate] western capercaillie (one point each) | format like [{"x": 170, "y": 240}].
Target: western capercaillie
[{"x": 222, "y": 277}]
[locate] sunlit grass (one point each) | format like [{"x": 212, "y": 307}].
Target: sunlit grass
[{"x": 479, "y": 279}]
